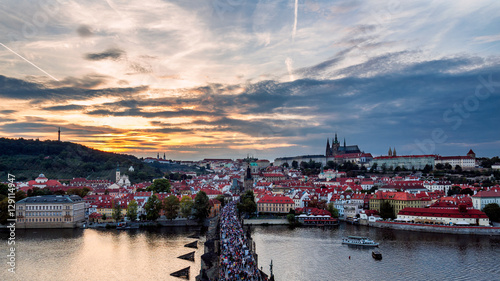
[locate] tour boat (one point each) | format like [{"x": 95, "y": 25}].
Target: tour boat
[{"x": 359, "y": 241}]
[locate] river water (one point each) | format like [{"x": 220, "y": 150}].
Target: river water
[
  {"x": 316, "y": 254},
  {"x": 298, "y": 254},
  {"x": 77, "y": 254}
]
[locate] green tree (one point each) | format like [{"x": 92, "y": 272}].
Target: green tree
[
  {"x": 458, "y": 168},
  {"x": 295, "y": 164},
  {"x": 467, "y": 191},
  {"x": 333, "y": 211},
  {"x": 201, "y": 206},
  {"x": 373, "y": 167},
  {"x": 132, "y": 210},
  {"x": 152, "y": 208},
  {"x": 384, "y": 168},
  {"x": 454, "y": 190},
  {"x": 285, "y": 165},
  {"x": 160, "y": 185},
  {"x": 171, "y": 206},
  {"x": 247, "y": 204},
  {"x": 290, "y": 218},
  {"x": 427, "y": 169},
  {"x": 386, "y": 210},
  {"x": 117, "y": 211},
  {"x": 186, "y": 206},
  {"x": 492, "y": 210},
  {"x": 222, "y": 200},
  {"x": 104, "y": 217}
]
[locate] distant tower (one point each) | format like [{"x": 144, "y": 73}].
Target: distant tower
[
  {"x": 328, "y": 149},
  {"x": 390, "y": 152},
  {"x": 335, "y": 146},
  {"x": 59, "y": 134},
  {"x": 394, "y": 152},
  {"x": 471, "y": 154},
  {"x": 164, "y": 157},
  {"x": 117, "y": 173},
  {"x": 158, "y": 155},
  {"x": 344, "y": 144},
  {"x": 248, "y": 180}
]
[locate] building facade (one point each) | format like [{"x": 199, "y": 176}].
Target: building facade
[
  {"x": 275, "y": 204},
  {"x": 483, "y": 198},
  {"x": 50, "y": 211},
  {"x": 445, "y": 216},
  {"x": 409, "y": 162}
]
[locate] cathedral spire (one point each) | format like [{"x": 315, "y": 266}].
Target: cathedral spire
[
  {"x": 336, "y": 141},
  {"x": 390, "y": 152},
  {"x": 394, "y": 151},
  {"x": 344, "y": 143},
  {"x": 327, "y": 147}
]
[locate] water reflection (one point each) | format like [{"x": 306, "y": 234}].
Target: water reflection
[{"x": 75, "y": 254}]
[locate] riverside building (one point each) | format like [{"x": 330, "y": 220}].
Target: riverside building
[{"x": 50, "y": 211}]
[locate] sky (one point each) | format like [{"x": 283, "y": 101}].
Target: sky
[{"x": 231, "y": 78}]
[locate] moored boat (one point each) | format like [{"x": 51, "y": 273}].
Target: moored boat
[{"x": 359, "y": 241}]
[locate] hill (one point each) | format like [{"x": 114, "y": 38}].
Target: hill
[{"x": 27, "y": 158}]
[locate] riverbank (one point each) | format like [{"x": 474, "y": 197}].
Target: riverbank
[
  {"x": 265, "y": 221},
  {"x": 469, "y": 230}
]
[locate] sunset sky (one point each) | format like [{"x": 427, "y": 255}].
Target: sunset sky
[{"x": 231, "y": 78}]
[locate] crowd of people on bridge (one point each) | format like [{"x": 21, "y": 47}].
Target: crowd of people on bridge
[{"x": 236, "y": 259}]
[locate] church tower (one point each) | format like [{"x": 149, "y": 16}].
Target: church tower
[
  {"x": 394, "y": 152},
  {"x": 248, "y": 180},
  {"x": 59, "y": 134},
  {"x": 117, "y": 173},
  {"x": 335, "y": 146},
  {"x": 390, "y": 152}
]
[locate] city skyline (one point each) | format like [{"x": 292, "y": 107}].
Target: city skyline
[{"x": 267, "y": 78}]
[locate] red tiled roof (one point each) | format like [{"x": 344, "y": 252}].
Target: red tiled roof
[
  {"x": 442, "y": 212},
  {"x": 279, "y": 199}
]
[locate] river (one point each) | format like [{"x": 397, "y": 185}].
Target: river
[
  {"x": 317, "y": 254},
  {"x": 297, "y": 254}
]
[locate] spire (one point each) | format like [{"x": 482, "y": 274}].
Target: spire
[
  {"x": 59, "y": 134},
  {"x": 164, "y": 157},
  {"x": 336, "y": 141},
  {"x": 344, "y": 143},
  {"x": 327, "y": 147},
  {"x": 394, "y": 151},
  {"x": 390, "y": 152}
]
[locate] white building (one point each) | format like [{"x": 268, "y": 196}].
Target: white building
[
  {"x": 465, "y": 162},
  {"x": 483, "y": 198},
  {"x": 50, "y": 211}
]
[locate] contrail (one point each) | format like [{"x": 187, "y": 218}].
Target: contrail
[
  {"x": 295, "y": 21},
  {"x": 29, "y": 62}
]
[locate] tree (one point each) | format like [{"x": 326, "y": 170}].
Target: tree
[
  {"x": 152, "y": 208},
  {"x": 386, "y": 210},
  {"x": 492, "y": 210},
  {"x": 117, "y": 210},
  {"x": 160, "y": 185},
  {"x": 201, "y": 206},
  {"x": 222, "y": 200},
  {"x": 439, "y": 166},
  {"x": 247, "y": 204},
  {"x": 458, "y": 168},
  {"x": 454, "y": 190},
  {"x": 467, "y": 191},
  {"x": 384, "y": 168},
  {"x": 373, "y": 167},
  {"x": 333, "y": 211},
  {"x": 295, "y": 164},
  {"x": 285, "y": 165},
  {"x": 290, "y": 218},
  {"x": 104, "y": 217},
  {"x": 171, "y": 206},
  {"x": 447, "y": 166},
  {"x": 132, "y": 210},
  {"x": 331, "y": 165},
  {"x": 186, "y": 206},
  {"x": 427, "y": 169}
]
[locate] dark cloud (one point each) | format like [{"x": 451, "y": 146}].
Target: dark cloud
[
  {"x": 84, "y": 31},
  {"x": 8, "y": 111},
  {"x": 64, "y": 107},
  {"x": 86, "y": 82},
  {"x": 112, "y": 54},
  {"x": 20, "y": 89}
]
